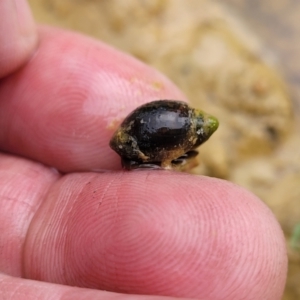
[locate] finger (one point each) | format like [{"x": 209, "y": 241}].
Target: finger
[
  {"x": 63, "y": 108},
  {"x": 18, "y": 205},
  {"x": 16, "y": 288},
  {"x": 145, "y": 232},
  {"x": 23, "y": 185},
  {"x": 18, "y": 37}
]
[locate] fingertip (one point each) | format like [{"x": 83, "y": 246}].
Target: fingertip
[
  {"x": 237, "y": 237},
  {"x": 71, "y": 97},
  {"x": 210, "y": 238},
  {"x": 240, "y": 245}
]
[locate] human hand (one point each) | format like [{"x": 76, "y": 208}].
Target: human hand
[{"x": 141, "y": 232}]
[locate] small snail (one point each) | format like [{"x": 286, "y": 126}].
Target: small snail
[{"x": 162, "y": 134}]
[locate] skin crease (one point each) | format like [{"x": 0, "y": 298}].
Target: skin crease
[{"x": 137, "y": 233}]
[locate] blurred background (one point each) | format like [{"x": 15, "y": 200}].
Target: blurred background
[{"x": 236, "y": 59}]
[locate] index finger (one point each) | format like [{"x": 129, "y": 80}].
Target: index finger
[{"x": 62, "y": 108}]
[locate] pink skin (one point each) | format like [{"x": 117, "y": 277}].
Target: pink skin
[{"x": 153, "y": 233}]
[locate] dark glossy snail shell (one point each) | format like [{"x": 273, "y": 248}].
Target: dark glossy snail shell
[{"x": 162, "y": 134}]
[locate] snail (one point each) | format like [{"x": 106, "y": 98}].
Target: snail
[{"x": 162, "y": 134}]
